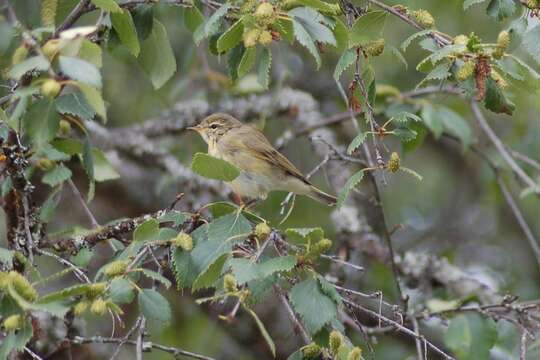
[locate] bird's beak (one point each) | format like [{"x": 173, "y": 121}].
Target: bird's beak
[{"x": 197, "y": 128}]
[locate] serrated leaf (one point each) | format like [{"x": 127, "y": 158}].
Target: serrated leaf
[
  {"x": 403, "y": 116},
  {"x": 245, "y": 270},
  {"x": 311, "y": 21},
  {"x": 322, "y": 6},
  {"x": 66, "y": 293},
  {"x": 285, "y": 29},
  {"x": 455, "y": 125},
  {"x": 208, "y": 277},
  {"x": 530, "y": 42},
  {"x": 80, "y": 70},
  {"x": 263, "y": 71},
  {"x": 501, "y": 9},
  {"x": 185, "y": 267},
  {"x": 15, "y": 341},
  {"x": 107, "y": 5},
  {"x": 103, "y": 170},
  {"x": 329, "y": 290},
  {"x": 395, "y": 51},
  {"x": 147, "y": 231},
  {"x": 56, "y": 176},
  {"x": 124, "y": 26},
  {"x": 234, "y": 58},
  {"x": 347, "y": 59},
  {"x": 157, "y": 57},
  {"x": 214, "y": 168},
  {"x": 349, "y": 185},
  {"x": 356, "y": 142},
  {"x": 193, "y": 18},
  {"x": 405, "y": 134},
  {"x": 154, "y": 307},
  {"x": 468, "y": 3},
  {"x": 314, "y": 307},
  {"x": 264, "y": 332},
  {"x": 341, "y": 33},
  {"x": 94, "y": 98},
  {"x": 303, "y": 37},
  {"x": 211, "y": 26},
  {"x": 91, "y": 52},
  {"x": 405, "y": 44},
  {"x": 157, "y": 277},
  {"x": 39, "y": 63},
  {"x": 495, "y": 99},
  {"x": 305, "y": 235},
  {"x": 41, "y": 122},
  {"x": 247, "y": 61},
  {"x": 432, "y": 121},
  {"x": 367, "y": 28},
  {"x": 121, "y": 291},
  {"x": 230, "y": 38},
  {"x": 75, "y": 104}
]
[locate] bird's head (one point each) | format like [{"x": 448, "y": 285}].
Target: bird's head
[{"x": 213, "y": 127}]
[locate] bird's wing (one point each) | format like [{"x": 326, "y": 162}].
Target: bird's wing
[{"x": 260, "y": 147}]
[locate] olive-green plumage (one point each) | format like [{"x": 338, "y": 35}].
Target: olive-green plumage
[{"x": 262, "y": 168}]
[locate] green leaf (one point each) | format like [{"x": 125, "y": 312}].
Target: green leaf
[
  {"x": 68, "y": 146},
  {"x": 329, "y": 290},
  {"x": 66, "y": 293},
  {"x": 305, "y": 39},
  {"x": 93, "y": 96},
  {"x": 349, "y": 185},
  {"x": 367, "y": 28},
  {"x": 468, "y": 3},
  {"x": 56, "y": 176},
  {"x": 6, "y": 257},
  {"x": 234, "y": 58},
  {"x": 496, "y": 100},
  {"x": 395, "y": 51},
  {"x": 471, "y": 337},
  {"x": 121, "y": 291},
  {"x": 404, "y": 116},
  {"x": 157, "y": 57},
  {"x": 530, "y": 42},
  {"x": 211, "y": 26},
  {"x": 39, "y": 63},
  {"x": 324, "y": 7},
  {"x": 285, "y": 29},
  {"x": 305, "y": 235},
  {"x": 405, "y": 134},
  {"x": 357, "y": 142},
  {"x": 211, "y": 274},
  {"x": 75, "y": 104},
  {"x": 263, "y": 331},
  {"x": 405, "y": 44},
  {"x": 341, "y": 33},
  {"x": 501, "y": 9},
  {"x": 147, "y": 231},
  {"x": 247, "y": 61},
  {"x": 455, "y": 125},
  {"x": 231, "y": 37},
  {"x": 313, "y": 21},
  {"x": 314, "y": 307},
  {"x": 15, "y": 341},
  {"x": 107, "y": 5},
  {"x": 48, "y": 207},
  {"x": 193, "y": 18},
  {"x": 157, "y": 277},
  {"x": 213, "y": 168},
  {"x": 263, "y": 72},
  {"x": 91, "y": 52},
  {"x": 87, "y": 159},
  {"x": 432, "y": 121},
  {"x": 41, "y": 122},
  {"x": 176, "y": 217},
  {"x": 154, "y": 307},
  {"x": 124, "y": 26},
  {"x": 246, "y": 270},
  {"x": 143, "y": 18},
  {"x": 80, "y": 70},
  {"x": 347, "y": 59},
  {"x": 103, "y": 170}
]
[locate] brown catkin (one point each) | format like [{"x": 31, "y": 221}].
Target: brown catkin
[{"x": 482, "y": 71}]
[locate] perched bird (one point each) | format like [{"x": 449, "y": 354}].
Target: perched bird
[{"x": 262, "y": 168}]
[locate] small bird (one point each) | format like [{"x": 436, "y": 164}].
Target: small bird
[{"x": 262, "y": 168}]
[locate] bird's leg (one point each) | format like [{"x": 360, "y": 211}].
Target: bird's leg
[{"x": 251, "y": 203}]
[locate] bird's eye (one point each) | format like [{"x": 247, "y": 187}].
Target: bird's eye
[{"x": 213, "y": 126}]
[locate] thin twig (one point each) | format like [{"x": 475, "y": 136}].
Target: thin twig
[
  {"x": 292, "y": 315},
  {"x": 85, "y": 207},
  {"x": 500, "y": 146},
  {"x": 146, "y": 346}
]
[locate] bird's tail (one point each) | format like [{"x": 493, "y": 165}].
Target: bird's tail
[{"x": 321, "y": 196}]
